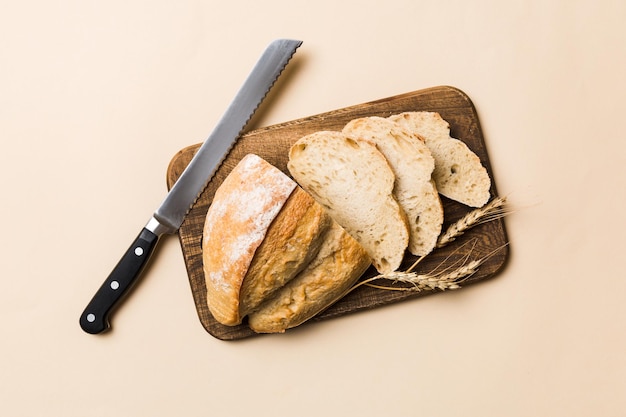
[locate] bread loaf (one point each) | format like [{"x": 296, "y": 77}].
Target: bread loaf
[
  {"x": 414, "y": 188},
  {"x": 256, "y": 207},
  {"x": 458, "y": 172},
  {"x": 337, "y": 266}
]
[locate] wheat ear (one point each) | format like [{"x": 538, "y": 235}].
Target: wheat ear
[
  {"x": 493, "y": 210},
  {"x": 420, "y": 282},
  {"x": 450, "y": 278},
  {"x": 446, "y": 279}
]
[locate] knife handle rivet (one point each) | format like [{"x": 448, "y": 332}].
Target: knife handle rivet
[
  {"x": 115, "y": 285},
  {"x": 91, "y": 317},
  {"x": 138, "y": 251}
]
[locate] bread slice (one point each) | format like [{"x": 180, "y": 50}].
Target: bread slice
[
  {"x": 337, "y": 266},
  {"x": 354, "y": 182},
  {"x": 414, "y": 188},
  {"x": 459, "y": 174},
  {"x": 255, "y": 203}
]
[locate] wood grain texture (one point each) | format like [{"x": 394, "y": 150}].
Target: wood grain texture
[{"x": 272, "y": 143}]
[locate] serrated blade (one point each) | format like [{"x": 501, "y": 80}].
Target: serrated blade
[{"x": 214, "y": 150}]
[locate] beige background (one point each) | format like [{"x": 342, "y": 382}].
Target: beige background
[{"x": 95, "y": 99}]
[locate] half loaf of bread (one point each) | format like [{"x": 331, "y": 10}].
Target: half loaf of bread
[
  {"x": 459, "y": 174},
  {"x": 413, "y": 166},
  {"x": 257, "y": 209},
  {"x": 354, "y": 182},
  {"x": 262, "y": 231}
]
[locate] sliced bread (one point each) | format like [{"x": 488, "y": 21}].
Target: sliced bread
[
  {"x": 412, "y": 165},
  {"x": 459, "y": 174},
  {"x": 354, "y": 182}
]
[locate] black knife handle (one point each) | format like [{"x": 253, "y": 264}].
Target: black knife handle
[{"x": 95, "y": 318}]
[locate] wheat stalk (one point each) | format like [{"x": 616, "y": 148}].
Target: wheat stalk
[
  {"x": 448, "y": 279},
  {"x": 421, "y": 282},
  {"x": 493, "y": 210}
]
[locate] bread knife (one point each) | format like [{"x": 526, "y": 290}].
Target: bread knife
[{"x": 170, "y": 215}]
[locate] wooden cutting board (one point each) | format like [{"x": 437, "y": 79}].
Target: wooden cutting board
[{"x": 272, "y": 143}]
